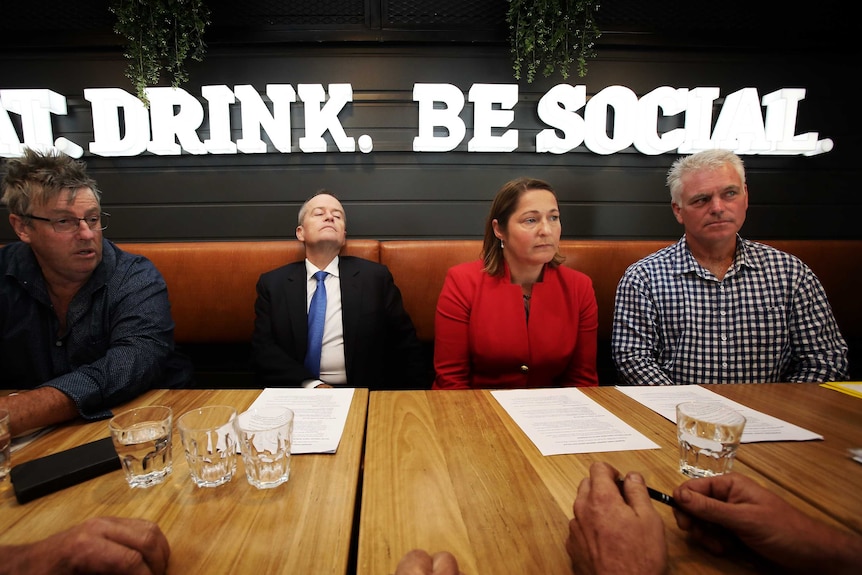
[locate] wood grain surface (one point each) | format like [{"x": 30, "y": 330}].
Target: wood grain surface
[
  {"x": 442, "y": 470},
  {"x": 450, "y": 470},
  {"x": 819, "y": 472},
  {"x": 302, "y": 526}
]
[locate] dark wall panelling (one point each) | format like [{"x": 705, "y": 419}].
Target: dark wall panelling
[{"x": 396, "y": 193}]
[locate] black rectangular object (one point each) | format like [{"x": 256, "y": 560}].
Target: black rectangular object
[{"x": 54, "y": 472}]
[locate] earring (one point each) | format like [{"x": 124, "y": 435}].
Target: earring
[{"x": 502, "y": 246}]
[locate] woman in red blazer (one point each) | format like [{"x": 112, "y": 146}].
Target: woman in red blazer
[{"x": 517, "y": 318}]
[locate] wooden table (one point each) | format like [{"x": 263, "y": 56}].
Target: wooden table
[
  {"x": 450, "y": 470},
  {"x": 820, "y": 472},
  {"x": 303, "y": 526}
]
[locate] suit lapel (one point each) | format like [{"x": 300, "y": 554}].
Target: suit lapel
[
  {"x": 351, "y": 300},
  {"x": 297, "y": 312}
]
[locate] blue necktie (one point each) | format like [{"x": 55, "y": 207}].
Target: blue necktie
[{"x": 316, "y": 318}]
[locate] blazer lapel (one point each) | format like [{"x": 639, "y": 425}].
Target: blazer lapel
[
  {"x": 351, "y": 302},
  {"x": 297, "y": 312}
]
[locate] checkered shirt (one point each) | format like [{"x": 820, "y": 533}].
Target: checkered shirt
[{"x": 768, "y": 320}]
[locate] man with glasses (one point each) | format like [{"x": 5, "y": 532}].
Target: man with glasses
[{"x": 83, "y": 325}]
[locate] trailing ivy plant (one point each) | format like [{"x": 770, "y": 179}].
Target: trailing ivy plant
[
  {"x": 551, "y": 35},
  {"x": 161, "y": 35}
]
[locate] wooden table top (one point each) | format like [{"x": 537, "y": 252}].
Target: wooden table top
[
  {"x": 443, "y": 470},
  {"x": 450, "y": 470},
  {"x": 302, "y": 526},
  {"x": 820, "y": 472}
]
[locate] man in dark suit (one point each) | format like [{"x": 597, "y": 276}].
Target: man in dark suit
[{"x": 368, "y": 340}]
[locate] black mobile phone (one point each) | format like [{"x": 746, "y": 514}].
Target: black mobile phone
[{"x": 39, "y": 477}]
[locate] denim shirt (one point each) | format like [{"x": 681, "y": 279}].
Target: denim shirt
[{"x": 119, "y": 340}]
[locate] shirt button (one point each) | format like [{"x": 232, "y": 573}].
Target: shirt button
[
  {"x": 724, "y": 338},
  {"x": 525, "y": 369},
  {"x": 58, "y": 343}
]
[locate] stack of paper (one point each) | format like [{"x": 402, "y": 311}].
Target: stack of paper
[
  {"x": 758, "y": 426},
  {"x": 319, "y": 415},
  {"x": 565, "y": 420}
]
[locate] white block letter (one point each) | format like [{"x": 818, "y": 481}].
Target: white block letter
[
  {"x": 485, "y": 117},
  {"x": 624, "y": 102},
  {"x": 740, "y": 124},
  {"x": 35, "y": 108},
  {"x": 320, "y": 118},
  {"x": 255, "y": 115},
  {"x": 106, "y": 104},
  {"x": 698, "y": 120},
  {"x": 219, "y": 99},
  {"x": 781, "y": 108},
  {"x": 168, "y": 127},
  {"x": 10, "y": 145},
  {"x": 557, "y": 109},
  {"x": 671, "y": 102},
  {"x": 430, "y": 117}
]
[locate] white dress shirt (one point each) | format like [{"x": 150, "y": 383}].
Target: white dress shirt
[{"x": 332, "y": 366}]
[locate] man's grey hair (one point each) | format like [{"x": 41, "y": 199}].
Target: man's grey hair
[
  {"x": 304, "y": 209},
  {"x": 707, "y": 160}
]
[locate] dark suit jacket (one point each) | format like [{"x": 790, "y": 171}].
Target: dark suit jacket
[{"x": 381, "y": 350}]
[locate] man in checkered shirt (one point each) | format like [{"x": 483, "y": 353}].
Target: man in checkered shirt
[{"x": 716, "y": 308}]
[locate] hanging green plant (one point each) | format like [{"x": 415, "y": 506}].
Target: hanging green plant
[
  {"x": 550, "y": 35},
  {"x": 161, "y": 36}
]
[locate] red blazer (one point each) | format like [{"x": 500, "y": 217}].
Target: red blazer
[{"x": 483, "y": 339}]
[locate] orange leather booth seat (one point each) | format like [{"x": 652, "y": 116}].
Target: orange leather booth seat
[
  {"x": 419, "y": 269},
  {"x": 211, "y": 284}
]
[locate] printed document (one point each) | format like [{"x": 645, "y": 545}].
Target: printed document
[
  {"x": 565, "y": 420},
  {"x": 319, "y": 415},
  {"x": 758, "y": 426}
]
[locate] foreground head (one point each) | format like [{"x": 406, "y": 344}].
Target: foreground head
[
  {"x": 709, "y": 196},
  {"x": 525, "y": 218},
  {"x": 322, "y": 221},
  {"x": 55, "y": 207}
]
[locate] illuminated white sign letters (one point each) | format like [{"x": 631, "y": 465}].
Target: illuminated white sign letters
[{"x": 665, "y": 120}]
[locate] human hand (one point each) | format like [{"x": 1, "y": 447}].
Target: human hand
[
  {"x": 109, "y": 545},
  {"x": 418, "y": 562},
  {"x": 726, "y": 509},
  {"x": 610, "y": 534},
  {"x": 36, "y": 408}
]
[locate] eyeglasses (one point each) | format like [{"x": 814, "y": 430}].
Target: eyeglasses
[{"x": 72, "y": 225}]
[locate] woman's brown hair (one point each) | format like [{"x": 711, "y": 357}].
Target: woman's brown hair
[{"x": 502, "y": 208}]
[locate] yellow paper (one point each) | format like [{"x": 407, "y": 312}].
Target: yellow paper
[{"x": 853, "y": 388}]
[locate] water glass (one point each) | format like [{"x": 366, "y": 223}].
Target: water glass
[
  {"x": 709, "y": 435},
  {"x": 209, "y": 440},
  {"x": 142, "y": 437},
  {"x": 264, "y": 438}
]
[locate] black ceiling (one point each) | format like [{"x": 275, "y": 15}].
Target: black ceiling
[{"x": 57, "y": 23}]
